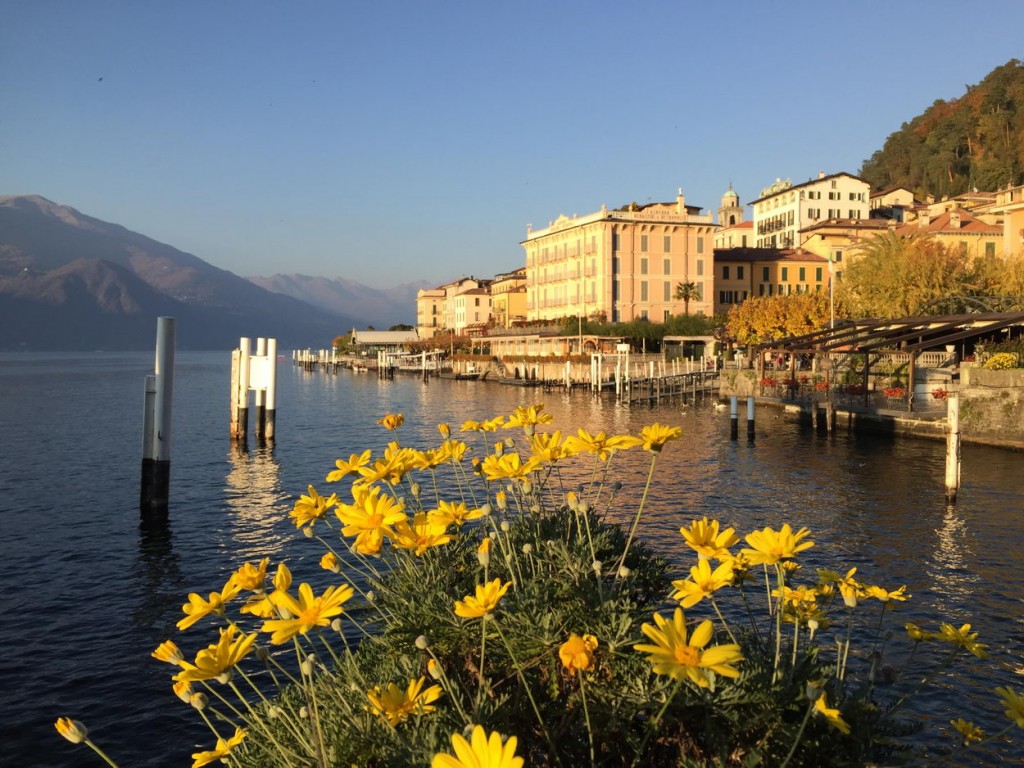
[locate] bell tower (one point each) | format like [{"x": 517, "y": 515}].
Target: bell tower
[{"x": 731, "y": 212}]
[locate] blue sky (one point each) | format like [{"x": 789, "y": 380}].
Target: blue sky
[{"x": 386, "y": 142}]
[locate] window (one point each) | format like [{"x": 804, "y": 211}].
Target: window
[
  {"x": 643, "y": 290},
  {"x": 817, "y": 274},
  {"x": 668, "y": 292},
  {"x": 963, "y": 247},
  {"x": 721, "y": 298},
  {"x": 785, "y": 276},
  {"x": 616, "y": 290},
  {"x": 700, "y": 267},
  {"x": 667, "y": 267},
  {"x": 765, "y": 274},
  {"x": 643, "y": 266},
  {"x": 666, "y": 243},
  {"x": 615, "y": 265},
  {"x": 615, "y": 241},
  {"x": 700, "y": 245},
  {"x": 854, "y": 213},
  {"x": 739, "y": 273},
  {"x": 990, "y": 250},
  {"x": 667, "y": 315},
  {"x": 760, "y": 289},
  {"x": 802, "y": 271},
  {"x": 837, "y": 256},
  {"x": 643, "y": 243},
  {"x": 725, "y": 273}
]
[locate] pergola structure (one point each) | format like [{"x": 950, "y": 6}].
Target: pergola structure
[{"x": 900, "y": 342}]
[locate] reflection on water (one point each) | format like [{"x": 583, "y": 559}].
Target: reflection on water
[
  {"x": 255, "y": 496},
  {"x": 158, "y": 575}
]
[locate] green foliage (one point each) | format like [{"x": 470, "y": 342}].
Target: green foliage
[
  {"x": 897, "y": 276},
  {"x": 974, "y": 141}
]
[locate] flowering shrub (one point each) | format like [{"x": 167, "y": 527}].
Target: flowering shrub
[
  {"x": 895, "y": 393},
  {"x": 475, "y": 613},
  {"x": 768, "y": 382},
  {"x": 1002, "y": 361},
  {"x": 821, "y": 386},
  {"x": 940, "y": 394}
]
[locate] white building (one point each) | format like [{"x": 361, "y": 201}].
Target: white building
[{"x": 783, "y": 209}]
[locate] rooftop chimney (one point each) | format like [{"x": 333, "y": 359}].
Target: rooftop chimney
[
  {"x": 954, "y": 219},
  {"x": 680, "y": 202}
]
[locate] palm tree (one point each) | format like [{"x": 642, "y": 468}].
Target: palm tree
[{"x": 685, "y": 292}]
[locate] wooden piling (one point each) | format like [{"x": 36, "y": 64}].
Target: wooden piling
[
  {"x": 240, "y": 391},
  {"x": 952, "y": 446},
  {"x": 734, "y": 418},
  {"x": 156, "y": 438},
  {"x": 260, "y": 397},
  {"x": 271, "y": 398},
  {"x": 750, "y": 418}
]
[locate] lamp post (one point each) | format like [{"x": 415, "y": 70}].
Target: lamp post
[{"x": 831, "y": 291}]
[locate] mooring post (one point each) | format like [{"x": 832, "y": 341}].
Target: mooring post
[
  {"x": 952, "y": 446},
  {"x": 240, "y": 390},
  {"x": 734, "y": 418},
  {"x": 750, "y": 418},
  {"x": 814, "y": 410},
  {"x": 158, "y": 401},
  {"x": 271, "y": 399},
  {"x": 260, "y": 398}
]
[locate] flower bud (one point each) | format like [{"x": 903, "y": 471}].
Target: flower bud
[
  {"x": 336, "y": 625},
  {"x": 414, "y": 489},
  {"x": 421, "y": 642},
  {"x": 530, "y": 430},
  {"x": 505, "y": 526},
  {"x": 527, "y": 486},
  {"x": 485, "y": 510},
  {"x": 624, "y": 572},
  {"x": 199, "y": 701},
  {"x": 224, "y": 677},
  {"x": 483, "y": 557},
  {"x": 596, "y": 565},
  {"x": 535, "y": 509},
  {"x": 501, "y": 499},
  {"x": 434, "y": 669},
  {"x": 306, "y": 667},
  {"x": 499, "y": 448},
  {"x": 308, "y": 532},
  {"x": 527, "y": 548},
  {"x": 303, "y": 713},
  {"x": 584, "y": 508},
  {"x": 72, "y": 730}
]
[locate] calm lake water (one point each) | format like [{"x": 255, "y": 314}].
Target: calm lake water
[{"x": 90, "y": 591}]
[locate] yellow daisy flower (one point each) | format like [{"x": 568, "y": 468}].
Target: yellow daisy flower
[
  {"x": 528, "y": 416},
  {"x": 395, "y": 705},
  {"x": 392, "y": 421},
  {"x": 305, "y": 612},
  {"x": 219, "y": 752},
  {"x": 168, "y": 652},
  {"x": 453, "y": 513},
  {"x": 704, "y": 537},
  {"x": 481, "y": 751},
  {"x": 968, "y": 731},
  {"x": 196, "y": 608},
  {"x": 485, "y": 600},
  {"x": 215, "y": 660},
  {"x": 600, "y": 444},
  {"x": 962, "y": 638},
  {"x": 654, "y": 436},
  {"x": 703, "y": 582},
  {"x": 330, "y": 562},
  {"x": 769, "y": 547},
  {"x": 577, "y": 653},
  {"x": 369, "y": 518},
  {"x": 420, "y": 535},
  {"x": 831, "y": 714},
  {"x": 1014, "y": 704},
  {"x": 312, "y": 507},
  {"x": 251, "y": 577},
  {"x": 507, "y": 467},
  {"x": 351, "y": 467},
  {"x": 884, "y": 595},
  {"x": 680, "y": 658}
]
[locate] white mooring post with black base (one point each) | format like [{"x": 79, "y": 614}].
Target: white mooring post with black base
[
  {"x": 256, "y": 372},
  {"x": 156, "y": 422}
]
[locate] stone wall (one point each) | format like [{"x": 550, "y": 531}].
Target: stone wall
[{"x": 992, "y": 405}]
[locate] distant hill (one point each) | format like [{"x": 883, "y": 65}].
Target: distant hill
[
  {"x": 72, "y": 282},
  {"x": 381, "y": 308},
  {"x": 976, "y": 140}
]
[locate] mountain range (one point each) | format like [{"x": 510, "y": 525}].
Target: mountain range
[{"x": 73, "y": 282}]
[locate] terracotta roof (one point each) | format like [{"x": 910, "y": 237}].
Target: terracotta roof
[
  {"x": 848, "y": 224},
  {"x": 941, "y": 224}
]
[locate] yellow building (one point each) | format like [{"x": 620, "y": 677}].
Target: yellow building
[
  {"x": 958, "y": 229},
  {"x": 840, "y": 239},
  {"x": 744, "y": 272},
  {"x": 784, "y": 208},
  {"x": 508, "y": 299},
  {"x": 625, "y": 264},
  {"x": 429, "y": 311},
  {"x": 1009, "y": 208}
]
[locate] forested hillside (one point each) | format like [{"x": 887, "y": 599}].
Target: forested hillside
[{"x": 975, "y": 141}]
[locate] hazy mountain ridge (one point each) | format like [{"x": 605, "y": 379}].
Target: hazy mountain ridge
[
  {"x": 381, "y": 308},
  {"x": 71, "y": 281}
]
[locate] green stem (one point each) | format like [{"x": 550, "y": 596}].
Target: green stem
[
  {"x": 101, "y": 753},
  {"x": 586, "y": 717},
  {"x": 799, "y": 735},
  {"x": 636, "y": 520},
  {"x": 655, "y": 723}
]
